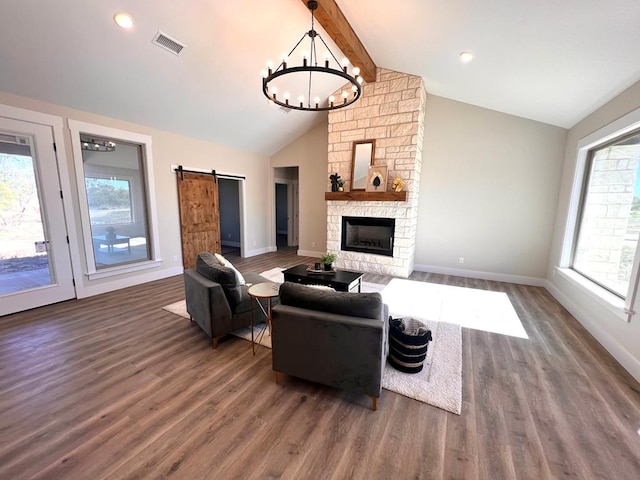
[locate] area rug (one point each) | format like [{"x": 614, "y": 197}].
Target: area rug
[
  {"x": 440, "y": 381},
  {"x": 260, "y": 336}
]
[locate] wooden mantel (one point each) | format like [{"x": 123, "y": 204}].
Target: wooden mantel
[{"x": 362, "y": 196}]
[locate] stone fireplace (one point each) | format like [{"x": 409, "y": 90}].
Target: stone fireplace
[{"x": 391, "y": 111}]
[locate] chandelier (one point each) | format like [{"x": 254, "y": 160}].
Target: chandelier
[
  {"x": 97, "y": 144},
  {"x": 310, "y": 100}
]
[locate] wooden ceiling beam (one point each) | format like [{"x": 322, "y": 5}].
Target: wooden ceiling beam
[{"x": 329, "y": 15}]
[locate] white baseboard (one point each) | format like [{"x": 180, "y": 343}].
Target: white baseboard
[
  {"x": 593, "y": 326},
  {"x": 310, "y": 253},
  {"x": 117, "y": 284},
  {"x": 497, "y": 277},
  {"x": 259, "y": 251}
]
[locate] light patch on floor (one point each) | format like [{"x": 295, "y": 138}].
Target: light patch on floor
[{"x": 468, "y": 307}]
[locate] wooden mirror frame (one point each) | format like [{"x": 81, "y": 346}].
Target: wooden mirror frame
[{"x": 361, "y": 161}]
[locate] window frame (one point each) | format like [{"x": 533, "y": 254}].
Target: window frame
[
  {"x": 589, "y": 161},
  {"x": 611, "y": 132},
  {"x": 83, "y": 128}
]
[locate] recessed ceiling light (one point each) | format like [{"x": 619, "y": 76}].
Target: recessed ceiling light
[
  {"x": 466, "y": 57},
  {"x": 123, "y": 20}
]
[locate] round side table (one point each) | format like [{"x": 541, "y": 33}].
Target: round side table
[{"x": 268, "y": 290}]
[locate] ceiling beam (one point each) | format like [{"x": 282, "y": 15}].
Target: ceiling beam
[{"x": 335, "y": 23}]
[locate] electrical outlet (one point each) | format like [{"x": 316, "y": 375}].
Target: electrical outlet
[
  {"x": 229, "y": 236},
  {"x": 255, "y": 243},
  {"x": 461, "y": 260},
  {"x": 175, "y": 258},
  {"x": 313, "y": 244}
]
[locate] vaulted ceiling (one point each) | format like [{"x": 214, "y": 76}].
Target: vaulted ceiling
[{"x": 548, "y": 60}]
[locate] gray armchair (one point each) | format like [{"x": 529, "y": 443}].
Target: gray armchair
[
  {"x": 338, "y": 339},
  {"x": 216, "y": 301}
]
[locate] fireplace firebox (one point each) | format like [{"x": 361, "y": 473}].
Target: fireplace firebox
[{"x": 368, "y": 235}]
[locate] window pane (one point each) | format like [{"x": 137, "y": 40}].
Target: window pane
[
  {"x": 109, "y": 201},
  {"x": 608, "y": 231},
  {"x": 115, "y": 187},
  {"x": 22, "y": 264}
]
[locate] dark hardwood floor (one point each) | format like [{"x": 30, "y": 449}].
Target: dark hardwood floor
[{"x": 114, "y": 387}]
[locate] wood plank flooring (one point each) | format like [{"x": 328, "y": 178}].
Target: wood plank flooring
[{"x": 113, "y": 387}]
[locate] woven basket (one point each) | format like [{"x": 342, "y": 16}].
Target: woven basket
[{"x": 408, "y": 343}]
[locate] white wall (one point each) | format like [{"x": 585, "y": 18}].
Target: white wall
[
  {"x": 309, "y": 154},
  {"x": 488, "y": 192},
  {"x": 168, "y": 148},
  {"x": 621, "y": 339}
]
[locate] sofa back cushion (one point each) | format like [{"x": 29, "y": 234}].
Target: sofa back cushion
[
  {"x": 364, "y": 305},
  {"x": 208, "y": 266}
]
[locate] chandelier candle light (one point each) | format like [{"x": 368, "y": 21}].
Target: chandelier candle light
[
  {"x": 310, "y": 66},
  {"x": 97, "y": 145}
]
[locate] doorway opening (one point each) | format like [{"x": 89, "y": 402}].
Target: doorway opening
[
  {"x": 230, "y": 221},
  {"x": 286, "y": 193}
]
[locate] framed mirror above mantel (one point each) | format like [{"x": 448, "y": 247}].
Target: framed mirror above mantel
[{"x": 361, "y": 160}]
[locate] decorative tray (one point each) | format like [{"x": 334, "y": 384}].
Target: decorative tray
[{"x": 321, "y": 271}]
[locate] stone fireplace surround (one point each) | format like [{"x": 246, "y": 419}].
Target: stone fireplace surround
[{"x": 391, "y": 111}]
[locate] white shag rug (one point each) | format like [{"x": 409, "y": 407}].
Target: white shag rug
[{"x": 440, "y": 381}]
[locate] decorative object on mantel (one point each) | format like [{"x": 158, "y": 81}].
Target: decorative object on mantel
[
  {"x": 322, "y": 74},
  {"x": 397, "y": 185},
  {"x": 377, "y": 179},
  {"x": 327, "y": 259},
  {"x": 361, "y": 160},
  {"x": 335, "y": 182}
]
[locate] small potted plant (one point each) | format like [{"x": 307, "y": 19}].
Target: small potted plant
[
  {"x": 111, "y": 233},
  {"x": 327, "y": 259}
]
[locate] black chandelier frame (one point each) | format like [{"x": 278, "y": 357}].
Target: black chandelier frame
[{"x": 311, "y": 66}]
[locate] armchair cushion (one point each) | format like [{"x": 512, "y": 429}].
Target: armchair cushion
[
  {"x": 226, "y": 263},
  {"x": 208, "y": 267},
  {"x": 363, "y": 305}
]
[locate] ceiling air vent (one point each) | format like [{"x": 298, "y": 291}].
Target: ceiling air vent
[{"x": 165, "y": 41}]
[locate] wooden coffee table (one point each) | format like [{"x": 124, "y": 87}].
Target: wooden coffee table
[{"x": 340, "y": 280}]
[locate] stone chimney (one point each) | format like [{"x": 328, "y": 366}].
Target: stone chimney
[{"x": 391, "y": 111}]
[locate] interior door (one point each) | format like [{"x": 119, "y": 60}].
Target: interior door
[
  {"x": 199, "y": 215},
  {"x": 35, "y": 262}
]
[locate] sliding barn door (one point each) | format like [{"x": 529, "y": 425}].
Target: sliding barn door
[{"x": 199, "y": 215}]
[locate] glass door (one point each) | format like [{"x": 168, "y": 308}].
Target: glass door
[{"x": 35, "y": 265}]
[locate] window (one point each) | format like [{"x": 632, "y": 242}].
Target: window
[
  {"x": 109, "y": 200},
  {"x": 115, "y": 186},
  {"x": 609, "y": 220}
]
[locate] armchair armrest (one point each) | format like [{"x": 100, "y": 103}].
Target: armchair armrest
[{"x": 205, "y": 300}]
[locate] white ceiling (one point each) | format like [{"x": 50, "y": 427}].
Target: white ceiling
[{"x": 547, "y": 60}]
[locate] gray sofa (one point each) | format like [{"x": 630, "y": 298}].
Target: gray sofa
[
  {"x": 215, "y": 299},
  {"x": 335, "y": 338}
]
